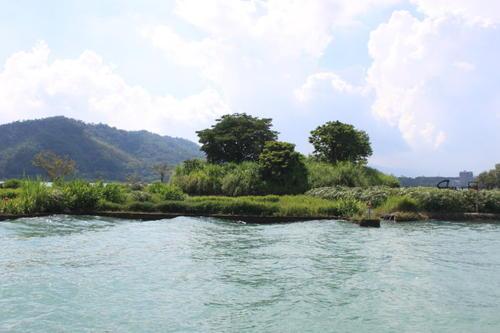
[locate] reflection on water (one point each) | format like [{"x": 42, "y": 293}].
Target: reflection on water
[{"x": 83, "y": 274}]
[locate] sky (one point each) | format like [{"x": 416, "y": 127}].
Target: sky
[{"x": 421, "y": 77}]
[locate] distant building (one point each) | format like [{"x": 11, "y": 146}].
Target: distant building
[{"x": 463, "y": 179}]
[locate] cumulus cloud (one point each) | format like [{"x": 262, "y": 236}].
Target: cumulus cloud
[
  {"x": 256, "y": 46},
  {"x": 431, "y": 77},
  {"x": 315, "y": 81},
  {"x": 86, "y": 88},
  {"x": 483, "y": 12}
]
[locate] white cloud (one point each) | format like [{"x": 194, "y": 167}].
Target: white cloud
[
  {"x": 86, "y": 88},
  {"x": 334, "y": 81},
  {"x": 483, "y": 12},
  {"x": 257, "y": 45},
  {"x": 431, "y": 77}
]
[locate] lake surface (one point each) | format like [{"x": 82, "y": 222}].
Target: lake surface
[{"x": 77, "y": 274}]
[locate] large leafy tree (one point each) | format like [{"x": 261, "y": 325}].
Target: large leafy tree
[
  {"x": 236, "y": 138},
  {"x": 282, "y": 168},
  {"x": 491, "y": 178},
  {"x": 335, "y": 142},
  {"x": 55, "y": 166}
]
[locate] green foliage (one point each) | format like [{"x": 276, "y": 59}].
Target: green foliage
[
  {"x": 114, "y": 193},
  {"x": 336, "y": 142},
  {"x": 141, "y": 207},
  {"x": 201, "y": 178},
  {"x": 141, "y": 196},
  {"x": 285, "y": 206},
  {"x": 243, "y": 179},
  {"x": 283, "y": 168},
  {"x": 81, "y": 196},
  {"x": 12, "y": 183},
  {"x": 236, "y": 138},
  {"x": 34, "y": 197},
  {"x": 322, "y": 174},
  {"x": 426, "y": 199},
  {"x": 166, "y": 192},
  {"x": 56, "y": 167},
  {"x": 107, "y": 206},
  {"x": 9, "y": 194},
  {"x": 490, "y": 179},
  {"x": 399, "y": 204}
]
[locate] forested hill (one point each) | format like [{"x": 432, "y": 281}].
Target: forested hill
[{"x": 100, "y": 151}]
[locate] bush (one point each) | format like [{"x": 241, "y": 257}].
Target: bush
[
  {"x": 110, "y": 206},
  {"x": 12, "y": 183},
  {"x": 8, "y": 194},
  {"x": 243, "y": 180},
  {"x": 113, "y": 193},
  {"x": 399, "y": 204},
  {"x": 347, "y": 174},
  {"x": 81, "y": 196},
  {"x": 167, "y": 192},
  {"x": 141, "y": 196},
  {"x": 141, "y": 207}
]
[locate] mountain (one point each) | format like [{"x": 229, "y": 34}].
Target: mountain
[{"x": 100, "y": 151}]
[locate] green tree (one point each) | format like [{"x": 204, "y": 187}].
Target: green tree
[
  {"x": 282, "y": 168},
  {"x": 335, "y": 142},
  {"x": 236, "y": 138},
  {"x": 55, "y": 166},
  {"x": 163, "y": 170},
  {"x": 491, "y": 178}
]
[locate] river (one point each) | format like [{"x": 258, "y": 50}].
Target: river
[{"x": 87, "y": 274}]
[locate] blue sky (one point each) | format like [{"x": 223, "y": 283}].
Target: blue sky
[{"x": 420, "y": 76}]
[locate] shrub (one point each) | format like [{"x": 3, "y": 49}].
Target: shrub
[
  {"x": 244, "y": 179},
  {"x": 111, "y": 206},
  {"x": 141, "y": 207},
  {"x": 81, "y": 196},
  {"x": 8, "y": 194},
  {"x": 12, "y": 183},
  {"x": 167, "y": 192},
  {"x": 113, "y": 193},
  {"x": 399, "y": 204},
  {"x": 141, "y": 196},
  {"x": 322, "y": 174}
]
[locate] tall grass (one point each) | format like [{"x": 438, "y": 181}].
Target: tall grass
[{"x": 348, "y": 174}]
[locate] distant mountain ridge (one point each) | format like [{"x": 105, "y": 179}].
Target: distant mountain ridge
[{"x": 100, "y": 151}]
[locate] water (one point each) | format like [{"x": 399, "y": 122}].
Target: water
[{"x": 68, "y": 274}]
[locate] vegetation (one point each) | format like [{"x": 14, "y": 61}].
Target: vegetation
[
  {"x": 338, "y": 142},
  {"x": 490, "y": 179},
  {"x": 163, "y": 170},
  {"x": 56, "y": 167},
  {"x": 100, "y": 151},
  {"x": 280, "y": 171},
  {"x": 236, "y": 138},
  {"x": 423, "y": 199},
  {"x": 322, "y": 174},
  {"x": 84, "y": 197},
  {"x": 282, "y": 168}
]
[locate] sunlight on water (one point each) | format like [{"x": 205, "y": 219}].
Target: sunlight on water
[{"x": 68, "y": 274}]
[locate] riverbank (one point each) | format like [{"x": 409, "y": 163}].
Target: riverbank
[
  {"x": 260, "y": 219},
  {"x": 158, "y": 201}
]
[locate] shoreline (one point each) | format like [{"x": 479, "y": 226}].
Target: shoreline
[{"x": 254, "y": 219}]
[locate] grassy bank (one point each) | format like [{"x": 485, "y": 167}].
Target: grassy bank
[
  {"x": 31, "y": 197},
  {"x": 386, "y": 200}
]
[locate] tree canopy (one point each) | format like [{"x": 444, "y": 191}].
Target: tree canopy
[
  {"x": 283, "y": 168},
  {"x": 491, "y": 178},
  {"x": 335, "y": 142},
  {"x": 236, "y": 138},
  {"x": 55, "y": 166}
]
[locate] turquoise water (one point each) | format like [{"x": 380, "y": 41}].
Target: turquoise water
[{"x": 67, "y": 274}]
